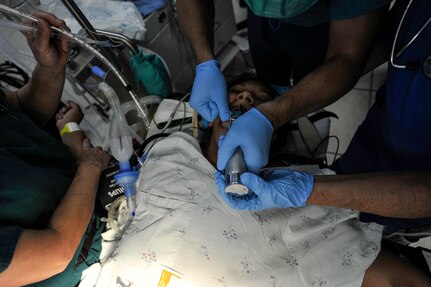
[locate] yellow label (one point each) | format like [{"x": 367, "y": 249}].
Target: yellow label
[{"x": 165, "y": 278}]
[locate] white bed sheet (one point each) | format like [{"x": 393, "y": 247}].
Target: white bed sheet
[{"x": 184, "y": 235}]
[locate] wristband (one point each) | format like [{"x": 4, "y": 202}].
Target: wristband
[{"x": 69, "y": 127}]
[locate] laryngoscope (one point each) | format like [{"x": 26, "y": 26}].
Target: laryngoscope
[{"x": 236, "y": 165}]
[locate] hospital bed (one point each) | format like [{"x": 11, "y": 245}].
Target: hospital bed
[{"x": 183, "y": 235}]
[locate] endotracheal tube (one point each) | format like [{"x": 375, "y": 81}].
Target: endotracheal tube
[{"x": 121, "y": 148}]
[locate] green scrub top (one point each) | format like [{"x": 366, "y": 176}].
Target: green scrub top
[
  {"x": 320, "y": 12},
  {"x": 35, "y": 172}
]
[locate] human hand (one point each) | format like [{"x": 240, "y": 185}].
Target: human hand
[
  {"x": 218, "y": 130},
  {"x": 49, "y": 52},
  {"x": 70, "y": 113},
  {"x": 252, "y": 132},
  {"x": 282, "y": 188},
  {"x": 209, "y": 96},
  {"x": 93, "y": 156}
]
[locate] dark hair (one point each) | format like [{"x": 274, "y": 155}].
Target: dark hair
[{"x": 246, "y": 76}]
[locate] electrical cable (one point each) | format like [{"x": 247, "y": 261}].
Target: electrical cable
[
  {"x": 184, "y": 116},
  {"x": 153, "y": 139},
  {"x": 12, "y": 75},
  {"x": 317, "y": 152},
  {"x": 171, "y": 117},
  {"x": 141, "y": 149},
  {"x": 423, "y": 234},
  {"x": 336, "y": 151}
]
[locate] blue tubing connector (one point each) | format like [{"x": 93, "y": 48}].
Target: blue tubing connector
[
  {"x": 98, "y": 71},
  {"x": 125, "y": 166},
  {"x": 127, "y": 179}
]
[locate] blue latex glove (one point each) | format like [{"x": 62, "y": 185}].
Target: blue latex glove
[
  {"x": 209, "y": 96},
  {"x": 282, "y": 188},
  {"x": 252, "y": 132}
]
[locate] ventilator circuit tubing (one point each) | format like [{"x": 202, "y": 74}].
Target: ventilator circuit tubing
[
  {"x": 142, "y": 110},
  {"x": 26, "y": 28},
  {"x": 119, "y": 128},
  {"x": 121, "y": 148},
  {"x": 130, "y": 106}
]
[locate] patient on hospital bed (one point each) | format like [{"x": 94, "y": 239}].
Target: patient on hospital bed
[{"x": 183, "y": 234}]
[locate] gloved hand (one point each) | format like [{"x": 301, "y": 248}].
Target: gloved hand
[
  {"x": 209, "y": 96},
  {"x": 252, "y": 132},
  {"x": 282, "y": 188}
]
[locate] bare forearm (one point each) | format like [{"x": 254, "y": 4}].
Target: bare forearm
[
  {"x": 74, "y": 142},
  {"x": 350, "y": 41},
  {"x": 320, "y": 88},
  {"x": 51, "y": 249},
  {"x": 197, "y": 22},
  {"x": 73, "y": 214},
  {"x": 405, "y": 195},
  {"x": 41, "y": 96}
]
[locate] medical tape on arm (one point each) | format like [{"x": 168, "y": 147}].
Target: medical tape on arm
[{"x": 69, "y": 127}]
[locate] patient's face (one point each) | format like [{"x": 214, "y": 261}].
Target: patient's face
[{"x": 247, "y": 94}]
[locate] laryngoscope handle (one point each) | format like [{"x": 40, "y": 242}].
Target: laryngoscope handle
[{"x": 236, "y": 165}]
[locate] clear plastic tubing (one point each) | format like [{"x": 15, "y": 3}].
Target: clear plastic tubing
[
  {"x": 121, "y": 148},
  {"x": 142, "y": 110},
  {"x": 121, "y": 141},
  {"x": 15, "y": 25},
  {"x": 130, "y": 106}
]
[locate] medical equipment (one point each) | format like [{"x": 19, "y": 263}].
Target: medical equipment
[
  {"x": 121, "y": 148},
  {"x": 33, "y": 29},
  {"x": 236, "y": 165},
  {"x": 426, "y": 67},
  {"x": 142, "y": 111}
]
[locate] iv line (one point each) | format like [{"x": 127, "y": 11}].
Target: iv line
[{"x": 141, "y": 113}]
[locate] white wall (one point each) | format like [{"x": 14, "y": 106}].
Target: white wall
[{"x": 240, "y": 13}]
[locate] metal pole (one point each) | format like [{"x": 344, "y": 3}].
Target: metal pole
[{"x": 86, "y": 25}]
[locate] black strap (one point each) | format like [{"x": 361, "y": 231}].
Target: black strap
[
  {"x": 295, "y": 159},
  {"x": 3, "y": 102},
  {"x": 12, "y": 75}
]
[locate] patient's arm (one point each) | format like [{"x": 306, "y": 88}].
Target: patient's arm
[
  {"x": 398, "y": 194},
  {"x": 41, "y": 254},
  {"x": 71, "y": 113}
]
